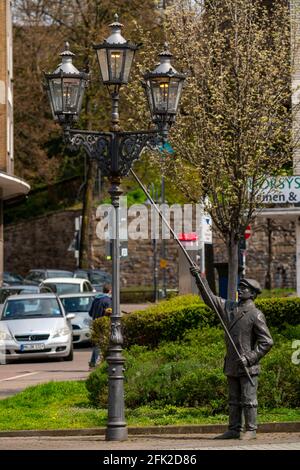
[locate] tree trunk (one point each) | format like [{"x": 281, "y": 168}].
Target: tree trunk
[
  {"x": 86, "y": 216},
  {"x": 233, "y": 266},
  {"x": 268, "y": 282}
]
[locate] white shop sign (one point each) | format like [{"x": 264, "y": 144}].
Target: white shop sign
[
  {"x": 280, "y": 190},
  {"x": 206, "y": 229}
]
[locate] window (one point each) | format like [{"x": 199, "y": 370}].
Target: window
[{"x": 31, "y": 308}]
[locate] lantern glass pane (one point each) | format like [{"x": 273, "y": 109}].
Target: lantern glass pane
[
  {"x": 128, "y": 62},
  {"x": 71, "y": 87},
  {"x": 160, "y": 90},
  {"x": 80, "y": 96},
  {"x": 115, "y": 64},
  {"x": 102, "y": 58},
  {"x": 174, "y": 94},
  {"x": 56, "y": 94},
  {"x": 51, "y": 103},
  {"x": 149, "y": 96}
]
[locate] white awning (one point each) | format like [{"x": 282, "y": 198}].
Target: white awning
[
  {"x": 282, "y": 213},
  {"x": 11, "y": 186}
]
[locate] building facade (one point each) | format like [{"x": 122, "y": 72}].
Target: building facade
[{"x": 10, "y": 185}]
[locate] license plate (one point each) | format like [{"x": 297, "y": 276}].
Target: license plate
[{"x": 32, "y": 347}]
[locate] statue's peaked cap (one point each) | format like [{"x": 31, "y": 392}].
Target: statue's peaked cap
[{"x": 252, "y": 283}]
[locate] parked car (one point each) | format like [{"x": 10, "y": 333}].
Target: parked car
[
  {"x": 36, "y": 325},
  {"x": 61, "y": 285},
  {"x": 79, "y": 305},
  {"x": 10, "y": 279},
  {"x": 36, "y": 276},
  {"x": 21, "y": 289},
  {"x": 97, "y": 277}
]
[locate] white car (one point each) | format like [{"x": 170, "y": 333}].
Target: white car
[
  {"x": 35, "y": 326},
  {"x": 79, "y": 305},
  {"x": 68, "y": 285}
]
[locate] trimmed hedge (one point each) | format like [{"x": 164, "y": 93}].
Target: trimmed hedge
[
  {"x": 166, "y": 321},
  {"x": 169, "y": 320},
  {"x": 281, "y": 310}
]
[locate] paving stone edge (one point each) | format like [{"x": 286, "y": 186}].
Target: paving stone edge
[{"x": 153, "y": 430}]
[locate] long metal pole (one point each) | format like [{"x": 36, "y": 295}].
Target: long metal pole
[
  {"x": 116, "y": 425},
  {"x": 192, "y": 264},
  {"x": 163, "y": 242}
]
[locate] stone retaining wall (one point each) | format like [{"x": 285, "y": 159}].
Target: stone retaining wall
[{"x": 44, "y": 242}]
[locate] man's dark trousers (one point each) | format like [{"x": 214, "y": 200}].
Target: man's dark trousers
[{"x": 242, "y": 398}]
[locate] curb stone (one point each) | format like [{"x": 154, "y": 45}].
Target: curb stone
[{"x": 154, "y": 430}]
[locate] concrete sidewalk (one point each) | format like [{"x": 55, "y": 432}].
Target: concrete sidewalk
[{"x": 264, "y": 441}]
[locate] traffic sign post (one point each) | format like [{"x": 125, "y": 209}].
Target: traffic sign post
[{"x": 247, "y": 232}]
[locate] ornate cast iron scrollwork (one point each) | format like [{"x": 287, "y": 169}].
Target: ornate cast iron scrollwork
[
  {"x": 131, "y": 146},
  {"x": 99, "y": 146},
  {"x": 116, "y": 333},
  {"x": 96, "y": 145}
]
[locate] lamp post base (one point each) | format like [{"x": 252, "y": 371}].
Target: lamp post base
[{"x": 118, "y": 433}]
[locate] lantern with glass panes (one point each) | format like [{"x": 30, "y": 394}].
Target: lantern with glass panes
[
  {"x": 163, "y": 88},
  {"x": 115, "y": 56},
  {"x": 66, "y": 88}
]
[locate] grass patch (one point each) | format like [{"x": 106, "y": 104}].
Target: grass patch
[
  {"x": 64, "y": 405},
  {"x": 55, "y": 405}
]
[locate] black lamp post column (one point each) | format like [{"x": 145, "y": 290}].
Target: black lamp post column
[{"x": 116, "y": 426}]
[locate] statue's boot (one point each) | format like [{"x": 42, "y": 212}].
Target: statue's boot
[
  {"x": 250, "y": 414},
  {"x": 235, "y": 424}
]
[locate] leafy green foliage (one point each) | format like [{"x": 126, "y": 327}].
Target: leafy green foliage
[
  {"x": 189, "y": 374},
  {"x": 280, "y": 311},
  {"x": 166, "y": 321},
  {"x": 169, "y": 320}
]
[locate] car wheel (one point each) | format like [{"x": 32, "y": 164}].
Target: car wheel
[{"x": 70, "y": 356}]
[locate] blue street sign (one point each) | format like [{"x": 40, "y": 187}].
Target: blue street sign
[{"x": 166, "y": 148}]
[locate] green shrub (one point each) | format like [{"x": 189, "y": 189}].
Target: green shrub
[
  {"x": 100, "y": 333},
  {"x": 279, "y": 311},
  {"x": 166, "y": 321},
  {"x": 169, "y": 320},
  {"x": 279, "y": 381},
  {"x": 190, "y": 373},
  {"x": 290, "y": 331}
]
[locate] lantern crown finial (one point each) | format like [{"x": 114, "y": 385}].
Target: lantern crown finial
[
  {"x": 166, "y": 52},
  {"x": 67, "y": 52},
  {"x": 116, "y": 35}
]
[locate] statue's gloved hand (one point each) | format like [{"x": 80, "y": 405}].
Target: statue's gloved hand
[
  {"x": 243, "y": 361},
  {"x": 195, "y": 271}
]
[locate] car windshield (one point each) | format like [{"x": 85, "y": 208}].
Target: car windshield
[
  {"x": 99, "y": 278},
  {"x": 81, "y": 275},
  {"x": 64, "y": 287},
  {"x": 21, "y": 309},
  {"x": 77, "y": 304},
  {"x": 52, "y": 273},
  {"x": 9, "y": 277},
  {"x": 35, "y": 276}
]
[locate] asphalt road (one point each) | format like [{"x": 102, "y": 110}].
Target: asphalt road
[{"x": 16, "y": 376}]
